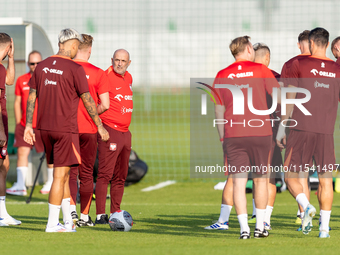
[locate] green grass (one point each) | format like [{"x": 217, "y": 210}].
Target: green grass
[
  {"x": 170, "y": 220},
  {"x": 166, "y": 221}
]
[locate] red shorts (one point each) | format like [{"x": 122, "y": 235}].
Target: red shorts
[
  {"x": 19, "y": 139},
  {"x": 3, "y": 150},
  {"x": 303, "y": 147},
  {"x": 247, "y": 154},
  {"x": 62, "y": 149}
]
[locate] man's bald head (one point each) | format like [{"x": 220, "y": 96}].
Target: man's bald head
[
  {"x": 121, "y": 61},
  {"x": 121, "y": 51}
]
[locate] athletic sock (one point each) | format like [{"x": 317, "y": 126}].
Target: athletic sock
[
  {"x": 325, "y": 217},
  {"x": 259, "y": 218},
  {"x": 254, "y": 208},
  {"x": 65, "y": 207},
  {"x": 50, "y": 175},
  {"x": 243, "y": 220},
  {"x": 99, "y": 215},
  {"x": 73, "y": 208},
  {"x": 53, "y": 215},
  {"x": 298, "y": 213},
  {"x": 302, "y": 214},
  {"x": 320, "y": 217},
  {"x": 21, "y": 177},
  {"x": 225, "y": 213},
  {"x": 3, "y": 211},
  {"x": 268, "y": 214},
  {"x": 84, "y": 217},
  {"x": 302, "y": 200}
]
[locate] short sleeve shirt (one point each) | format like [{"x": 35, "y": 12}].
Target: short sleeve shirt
[
  {"x": 118, "y": 116},
  {"x": 321, "y": 77},
  {"x": 98, "y": 84},
  {"x": 286, "y": 69},
  {"x": 59, "y": 82},
  {"x": 244, "y": 75},
  {"x": 22, "y": 89}
]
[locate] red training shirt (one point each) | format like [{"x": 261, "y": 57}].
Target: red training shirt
[
  {"x": 261, "y": 80},
  {"x": 22, "y": 89},
  {"x": 320, "y": 76},
  {"x": 118, "y": 116},
  {"x": 98, "y": 85},
  {"x": 59, "y": 81}
]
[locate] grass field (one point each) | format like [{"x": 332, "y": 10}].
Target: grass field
[
  {"x": 166, "y": 221},
  {"x": 169, "y": 220}
]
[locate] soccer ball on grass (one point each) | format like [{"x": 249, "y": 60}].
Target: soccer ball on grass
[{"x": 121, "y": 221}]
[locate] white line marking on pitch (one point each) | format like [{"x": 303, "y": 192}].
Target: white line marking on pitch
[
  {"x": 159, "y": 186},
  {"x": 23, "y": 202}
]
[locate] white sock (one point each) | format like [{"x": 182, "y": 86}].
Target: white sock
[
  {"x": 84, "y": 217},
  {"x": 21, "y": 177},
  {"x": 3, "y": 211},
  {"x": 302, "y": 214},
  {"x": 225, "y": 213},
  {"x": 320, "y": 217},
  {"x": 302, "y": 200},
  {"x": 243, "y": 220},
  {"x": 49, "y": 175},
  {"x": 73, "y": 208},
  {"x": 254, "y": 208},
  {"x": 99, "y": 215},
  {"x": 259, "y": 218},
  {"x": 65, "y": 207},
  {"x": 325, "y": 217},
  {"x": 268, "y": 214},
  {"x": 298, "y": 213},
  {"x": 53, "y": 215}
]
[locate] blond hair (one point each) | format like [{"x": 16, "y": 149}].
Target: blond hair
[
  {"x": 239, "y": 44},
  {"x": 87, "y": 42}
]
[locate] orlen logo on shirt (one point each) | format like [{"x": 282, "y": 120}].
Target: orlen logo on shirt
[
  {"x": 48, "y": 82},
  {"x": 240, "y": 75},
  {"x": 119, "y": 97},
  {"x": 125, "y": 110},
  {"x": 322, "y": 73},
  {"x": 56, "y": 71}
]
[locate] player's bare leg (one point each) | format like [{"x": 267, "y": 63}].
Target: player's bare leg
[
  {"x": 271, "y": 199},
  {"x": 5, "y": 218},
  {"x": 47, "y": 186},
  {"x": 325, "y": 197},
  {"x": 295, "y": 188},
  {"x": 240, "y": 200},
  {"x": 261, "y": 200},
  {"x": 226, "y": 206},
  {"x": 303, "y": 179},
  {"x": 19, "y": 188},
  {"x": 59, "y": 197}
]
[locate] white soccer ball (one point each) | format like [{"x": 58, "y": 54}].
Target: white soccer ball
[{"x": 121, "y": 221}]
